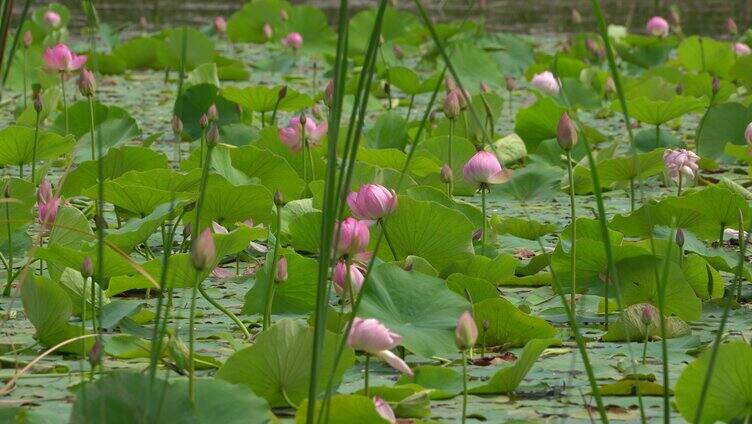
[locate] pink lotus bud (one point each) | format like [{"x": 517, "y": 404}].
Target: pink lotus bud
[
  {"x": 28, "y": 38},
  {"x": 566, "y": 133},
  {"x": 546, "y": 82},
  {"x": 511, "y": 84},
  {"x": 329, "y": 94},
  {"x": 657, "y": 27},
  {"x": 673, "y": 15},
  {"x": 203, "y": 252},
  {"x": 38, "y": 105},
  {"x": 715, "y": 86},
  {"x": 52, "y": 18},
  {"x": 576, "y": 17},
  {"x": 283, "y": 15},
  {"x": 384, "y": 410},
  {"x": 353, "y": 237},
  {"x": 177, "y": 125},
  {"x": 398, "y": 52},
  {"x": 61, "y": 59},
  {"x": 450, "y": 84},
  {"x": 280, "y": 275},
  {"x": 372, "y": 337},
  {"x": 87, "y": 268},
  {"x": 212, "y": 113},
  {"x": 220, "y": 24},
  {"x": 203, "y": 121},
  {"x": 212, "y": 136},
  {"x": 452, "y": 105},
  {"x": 87, "y": 84},
  {"x": 742, "y": 49},
  {"x": 466, "y": 332},
  {"x": 748, "y": 134},
  {"x": 293, "y": 135},
  {"x": 278, "y": 200},
  {"x": 679, "y": 238},
  {"x": 484, "y": 168},
  {"x": 372, "y": 202},
  {"x": 680, "y": 162},
  {"x": 268, "y": 31},
  {"x": 447, "y": 176},
  {"x": 96, "y": 353},
  {"x": 293, "y": 40},
  {"x": 648, "y": 313},
  {"x": 731, "y": 27},
  {"x": 339, "y": 278},
  {"x": 609, "y": 87},
  {"x": 484, "y": 88}
]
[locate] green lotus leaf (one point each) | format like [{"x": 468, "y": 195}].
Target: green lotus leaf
[
  {"x": 270, "y": 169},
  {"x": 706, "y": 55},
  {"x": 509, "y": 377},
  {"x": 509, "y": 326},
  {"x": 724, "y": 124},
  {"x": 658, "y": 112},
  {"x": 296, "y": 295},
  {"x": 17, "y": 145},
  {"x": 349, "y": 409},
  {"x": 263, "y": 99},
  {"x": 444, "y": 383},
  {"x": 16, "y": 211},
  {"x": 199, "y": 49}
]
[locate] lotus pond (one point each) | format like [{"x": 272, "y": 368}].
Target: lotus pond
[{"x": 276, "y": 218}]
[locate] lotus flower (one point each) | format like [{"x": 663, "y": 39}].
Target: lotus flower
[
  {"x": 546, "y": 82},
  {"x": 680, "y": 162},
  {"x": 220, "y": 24},
  {"x": 353, "y": 237},
  {"x": 566, "y": 133},
  {"x": 48, "y": 204},
  {"x": 61, "y": 59},
  {"x": 384, "y": 410},
  {"x": 372, "y": 202},
  {"x": 484, "y": 168},
  {"x": 293, "y": 40},
  {"x": 372, "y": 337},
  {"x": 742, "y": 49},
  {"x": 293, "y": 135},
  {"x": 452, "y": 104},
  {"x": 657, "y": 26},
  {"x": 52, "y": 18},
  {"x": 339, "y": 278}
]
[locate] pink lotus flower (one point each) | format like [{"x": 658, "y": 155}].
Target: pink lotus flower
[
  {"x": 293, "y": 40},
  {"x": 48, "y": 204},
  {"x": 353, "y": 237},
  {"x": 293, "y": 135},
  {"x": 372, "y": 337},
  {"x": 339, "y": 278},
  {"x": 484, "y": 168},
  {"x": 657, "y": 27},
  {"x": 61, "y": 59},
  {"x": 546, "y": 82},
  {"x": 384, "y": 410},
  {"x": 748, "y": 134},
  {"x": 680, "y": 162},
  {"x": 466, "y": 332},
  {"x": 372, "y": 202},
  {"x": 742, "y": 49},
  {"x": 220, "y": 24},
  {"x": 52, "y": 18}
]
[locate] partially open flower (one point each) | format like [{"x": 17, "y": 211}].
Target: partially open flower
[
  {"x": 546, "y": 82},
  {"x": 353, "y": 237},
  {"x": 293, "y": 40},
  {"x": 339, "y": 278},
  {"x": 657, "y": 26},
  {"x": 296, "y": 133},
  {"x": 372, "y": 337},
  {"x": 680, "y": 162},
  {"x": 484, "y": 168},
  {"x": 372, "y": 202},
  {"x": 742, "y": 49},
  {"x": 61, "y": 59},
  {"x": 52, "y": 18}
]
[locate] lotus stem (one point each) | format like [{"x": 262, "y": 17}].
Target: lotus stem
[
  {"x": 272, "y": 283},
  {"x": 388, "y": 240},
  {"x": 679, "y": 185},
  {"x": 573, "y": 227},
  {"x": 34, "y": 150},
  {"x": 192, "y": 338},
  {"x": 410, "y": 107},
  {"x": 632, "y": 194},
  {"x": 225, "y": 311},
  {"x": 365, "y": 379},
  {"x": 483, "y": 220},
  {"x": 645, "y": 345},
  {"x": 91, "y": 123},
  {"x": 65, "y": 101},
  {"x": 9, "y": 264},
  {"x": 464, "y": 386},
  {"x": 449, "y": 155},
  {"x": 658, "y": 135}
]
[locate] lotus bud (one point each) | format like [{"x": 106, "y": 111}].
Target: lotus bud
[
  {"x": 372, "y": 202},
  {"x": 748, "y": 134},
  {"x": 742, "y": 49},
  {"x": 283, "y": 15},
  {"x": 177, "y": 125},
  {"x": 452, "y": 105},
  {"x": 28, "y": 38},
  {"x": 143, "y": 23},
  {"x": 576, "y": 17},
  {"x": 511, "y": 84},
  {"x": 187, "y": 230},
  {"x": 7, "y": 191},
  {"x": 546, "y": 82},
  {"x": 679, "y": 237},
  {"x": 566, "y": 133},
  {"x": 38, "y": 106},
  {"x": 203, "y": 252},
  {"x": 483, "y": 169},
  {"x": 203, "y": 121},
  {"x": 280, "y": 274},
  {"x": 466, "y": 332},
  {"x": 212, "y": 113},
  {"x": 477, "y": 234},
  {"x": 268, "y": 31},
  {"x": 484, "y": 88},
  {"x": 610, "y": 86},
  {"x": 731, "y": 27},
  {"x": 212, "y": 136},
  {"x": 95, "y": 354},
  {"x": 52, "y": 18},
  {"x": 278, "y": 200},
  {"x": 87, "y": 268},
  {"x": 282, "y": 93},
  {"x": 384, "y": 410},
  {"x": 353, "y": 237},
  {"x": 447, "y": 175},
  {"x": 716, "y": 87},
  {"x": 293, "y": 40},
  {"x": 87, "y": 84},
  {"x": 339, "y": 278},
  {"x": 674, "y": 16},
  {"x": 648, "y": 313},
  {"x": 398, "y": 52},
  {"x": 329, "y": 94},
  {"x": 450, "y": 84},
  {"x": 220, "y": 24},
  {"x": 679, "y": 89},
  {"x": 316, "y": 111}
]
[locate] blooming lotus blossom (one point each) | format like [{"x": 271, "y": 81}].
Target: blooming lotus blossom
[
  {"x": 52, "y": 18},
  {"x": 372, "y": 202},
  {"x": 742, "y": 49},
  {"x": 657, "y": 26},
  {"x": 372, "y": 337},
  {"x": 61, "y": 59},
  {"x": 384, "y": 410},
  {"x": 484, "y": 168},
  {"x": 680, "y": 162},
  {"x": 220, "y": 24},
  {"x": 353, "y": 237},
  {"x": 293, "y": 40},
  {"x": 339, "y": 278},
  {"x": 546, "y": 82},
  {"x": 48, "y": 204},
  {"x": 293, "y": 135}
]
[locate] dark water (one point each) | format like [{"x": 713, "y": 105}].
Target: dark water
[{"x": 522, "y": 16}]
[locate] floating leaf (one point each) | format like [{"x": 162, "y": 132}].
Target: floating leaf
[
  {"x": 508, "y": 378},
  {"x": 509, "y": 326},
  {"x": 17, "y": 145},
  {"x": 346, "y": 409}
]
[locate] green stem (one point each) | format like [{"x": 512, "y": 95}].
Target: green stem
[
  {"x": 410, "y": 107},
  {"x": 272, "y": 272},
  {"x": 464, "y": 386},
  {"x": 483, "y": 220},
  {"x": 573, "y": 227},
  {"x": 365, "y": 379},
  {"x": 34, "y": 150},
  {"x": 91, "y": 124},
  {"x": 192, "y": 338},
  {"x": 678, "y": 191},
  {"x": 658, "y": 135},
  {"x": 388, "y": 240},
  {"x": 701, "y": 125},
  {"x": 645, "y": 345},
  {"x": 632, "y": 194},
  {"x": 225, "y": 311},
  {"x": 9, "y": 267},
  {"x": 201, "y": 151},
  {"x": 449, "y": 156},
  {"x": 65, "y": 101}
]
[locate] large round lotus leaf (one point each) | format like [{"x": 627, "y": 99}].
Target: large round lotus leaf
[
  {"x": 508, "y": 325},
  {"x": 729, "y": 395},
  {"x": 345, "y": 409},
  {"x": 396, "y": 24},
  {"x": 217, "y": 401},
  {"x": 228, "y": 204},
  {"x": 271, "y": 170},
  {"x": 658, "y": 112},
  {"x": 296, "y": 295},
  {"x": 17, "y": 145},
  {"x": 706, "y": 55},
  {"x": 263, "y": 99},
  {"x": 538, "y": 122},
  {"x": 278, "y": 365},
  {"x": 247, "y": 24},
  {"x": 724, "y": 123},
  {"x": 416, "y": 306},
  {"x": 199, "y": 49}
]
